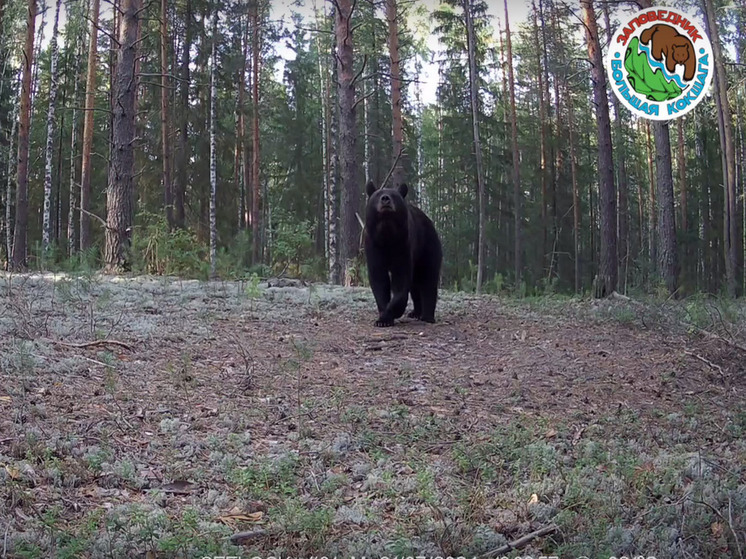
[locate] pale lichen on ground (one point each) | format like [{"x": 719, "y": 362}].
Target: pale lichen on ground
[{"x": 161, "y": 415}]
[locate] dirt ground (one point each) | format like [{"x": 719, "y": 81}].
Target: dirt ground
[{"x": 154, "y": 417}]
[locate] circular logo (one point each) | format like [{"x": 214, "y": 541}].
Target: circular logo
[{"x": 660, "y": 63}]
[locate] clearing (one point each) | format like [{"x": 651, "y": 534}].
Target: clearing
[{"x": 166, "y": 418}]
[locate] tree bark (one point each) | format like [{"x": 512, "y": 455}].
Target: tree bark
[
  {"x": 653, "y": 210},
  {"x": 90, "y": 102},
  {"x": 396, "y": 96},
  {"x": 517, "y": 195},
  {"x": 542, "y": 141},
  {"x": 623, "y": 183},
  {"x": 166, "y": 119},
  {"x": 350, "y": 191},
  {"x": 51, "y": 131},
  {"x": 120, "y": 191},
  {"x": 684, "y": 202},
  {"x": 255, "y": 198},
  {"x": 213, "y": 143},
  {"x": 668, "y": 255},
  {"x": 730, "y": 232},
  {"x": 335, "y": 269},
  {"x": 183, "y": 152},
  {"x": 20, "y": 234},
  {"x": 74, "y": 194},
  {"x": 9, "y": 187},
  {"x": 606, "y": 280},
  {"x": 474, "y": 93},
  {"x": 576, "y": 219}
]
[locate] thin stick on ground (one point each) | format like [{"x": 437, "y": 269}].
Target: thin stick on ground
[
  {"x": 95, "y": 343},
  {"x": 706, "y": 362},
  {"x": 521, "y": 542}
]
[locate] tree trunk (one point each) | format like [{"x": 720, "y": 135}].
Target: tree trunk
[
  {"x": 575, "y": 190},
  {"x": 238, "y": 148},
  {"x": 255, "y": 198},
  {"x": 90, "y": 102},
  {"x": 542, "y": 143},
  {"x": 474, "y": 92},
  {"x": 653, "y": 210},
  {"x": 166, "y": 119},
  {"x": 684, "y": 202},
  {"x": 335, "y": 268},
  {"x": 623, "y": 183},
  {"x": 375, "y": 125},
  {"x": 213, "y": 144},
  {"x": 71, "y": 230},
  {"x": 9, "y": 187},
  {"x": 324, "y": 106},
  {"x": 350, "y": 191},
  {"x": 51, "y": 131},
  {"x": 120, "y": 194},
  {"x": 20, "y": 234},
  {"x": 517, "y": 195},
  {"x": 668, "y": 255},
  {"x": 730, "y": 232},
  {"x": 606, "y": 280},
  {"x": 183, "y": 152},
  {"x": 396, "y": 98}
]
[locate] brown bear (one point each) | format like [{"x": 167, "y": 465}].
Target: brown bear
[
  {"x": 678, "y": 49},
  {"x": 404, "y": 255}
]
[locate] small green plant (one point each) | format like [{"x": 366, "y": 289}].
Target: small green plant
[
  {"x": 95, "y": 459},
  {"x": 269, "y": 479},
  {"x": 156, "y": 250},
  {"x": 311, "y": 525},
  {"x": 292, "y": 244}
]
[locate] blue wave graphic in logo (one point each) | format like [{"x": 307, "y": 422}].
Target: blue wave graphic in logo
[{"x": 655, "y": 65}]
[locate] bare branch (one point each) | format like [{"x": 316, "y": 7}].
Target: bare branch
[{"x": 391, "y": 171}]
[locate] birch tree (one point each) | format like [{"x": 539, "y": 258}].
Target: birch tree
[
  {"x": 350, "y": 189},
  {"x": 9, "y": 186},
  {"x": 335, "y": 273},
  {"x": 213, "y": 142},
  {"x": 51, "y": 131},
  {"x": 74, "y": 194}
]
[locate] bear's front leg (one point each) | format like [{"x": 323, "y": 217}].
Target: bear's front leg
[
  {"x": 401, "y": 282},
  {"x": 380, "y": 283}
]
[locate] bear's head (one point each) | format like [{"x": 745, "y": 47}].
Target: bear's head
[
  {"x": 681, "y": 50},
  {"x": 387, "y": 201}
]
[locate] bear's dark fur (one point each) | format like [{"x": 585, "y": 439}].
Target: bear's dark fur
[
  {"x": 665, "y": 40},
  {"x": 403, "y": 253}
]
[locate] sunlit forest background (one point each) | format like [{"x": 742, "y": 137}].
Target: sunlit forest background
[{"x": 257, "y": 125}]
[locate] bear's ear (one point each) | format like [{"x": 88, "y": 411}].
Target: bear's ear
[
  {"x": 370, "y": 188},
  {"x": 403, "y": 189}
]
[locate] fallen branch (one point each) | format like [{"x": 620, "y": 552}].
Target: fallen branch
[
  {"x": 706, "y": 362},
  {"x": 93, "y": 344},
  {"x": 713, "y": 336},
  {"x": 242, "y": 537},
  {"x": 391, "y": 171},
  {"x": 521, "y": 542}
]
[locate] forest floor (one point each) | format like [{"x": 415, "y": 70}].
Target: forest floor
[{"x": 153, "y": 417}]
